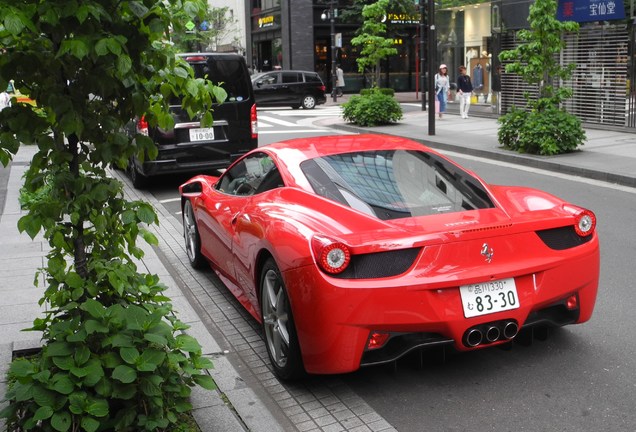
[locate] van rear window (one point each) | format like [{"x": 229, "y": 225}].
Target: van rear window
[{"x": 229, "y": 73}]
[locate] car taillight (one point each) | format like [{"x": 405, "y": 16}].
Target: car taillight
[
  {"x": 323, "y": 88},
  {"x": 142, "y": 126},
  {"x": 331, "y": 255},
  {"x": 254, "y": 122},
  {"x": 585, "y": 223},
  {"x": 584, "y": 220}
]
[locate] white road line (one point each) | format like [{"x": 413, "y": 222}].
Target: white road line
[
  {"x": 170, "y": 200},
  {"x": 570, "y": 177},
  {"x": 275, "y": 121},
  {"x": 297, "y": 131},
  {"x": 264, "y": 125}
]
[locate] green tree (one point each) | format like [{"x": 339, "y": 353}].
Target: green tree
[
  {"x": 545, "y": 127},
  {"x": 220, "y": 24},
  {"x": 372, "y": 38},
  {"x": 113, "y": 355}
]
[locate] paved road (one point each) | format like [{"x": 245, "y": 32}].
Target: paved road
[{"x": 580, "y": 379}]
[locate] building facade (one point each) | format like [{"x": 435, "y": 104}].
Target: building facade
[{"x": 294, "y": 34}]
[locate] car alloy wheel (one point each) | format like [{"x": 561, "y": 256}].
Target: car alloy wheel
[
  {"x": 278, "y": 325},
  {"x": 309, "y": 102},
  {"x": 192, "y": 238}
]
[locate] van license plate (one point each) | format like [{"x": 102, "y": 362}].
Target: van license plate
[{"x": 202, "y": 134}]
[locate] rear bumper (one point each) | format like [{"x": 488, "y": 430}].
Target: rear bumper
[
  {"x": 173, "y": 166},
  {"x": 335, "y": 317},
  {"x": 193, "y": 157}
]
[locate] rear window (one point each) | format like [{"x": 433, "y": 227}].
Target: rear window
[
  {"x": 230, "y": 73},
  {"x": 292, "y": 77},
  {"x": 314, "y": 78},
  {"x": 395, "y": 184}
]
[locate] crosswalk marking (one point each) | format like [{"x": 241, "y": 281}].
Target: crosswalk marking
[
  {"x": 274, "y": 120},
  {"x": 331, "y": 111}
]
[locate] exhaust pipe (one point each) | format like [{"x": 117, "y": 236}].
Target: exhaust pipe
[
  {"x": 510, "y": 329},
  {"x": 474, "y": 337},
  {"x": 492, "y": 334}
]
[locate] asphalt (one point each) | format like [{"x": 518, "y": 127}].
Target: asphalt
[{"x": 236, "y": 405}]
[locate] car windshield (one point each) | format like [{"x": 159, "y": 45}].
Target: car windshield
[{"x": 393, "y": 184}]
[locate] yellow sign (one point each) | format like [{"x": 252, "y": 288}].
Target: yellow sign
[
  {"x": 402, "y": 18},
  {"x": 266, "y": 21}
]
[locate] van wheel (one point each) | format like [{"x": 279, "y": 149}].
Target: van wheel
[
  {"x": 138, "y": 180},
  {"x": 309, "y": 102}
]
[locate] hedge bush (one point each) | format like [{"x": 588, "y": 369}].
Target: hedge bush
[
  {"x": 386, "y": 91},
  {"x": 373, "y": 109},
  {"x": 546, "y": 131}
]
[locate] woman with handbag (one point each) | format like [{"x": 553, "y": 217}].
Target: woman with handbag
[{"x": 442, "y": 88}]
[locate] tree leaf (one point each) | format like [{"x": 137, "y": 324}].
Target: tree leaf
[
  {"x": 89, "y": 424},
  {"x": 125, "y": 374},
  {"x": 204, "y": 381},
  {"x": 63, "y": 384},
  {"x": 13, "y": 24},
  {"x": 94, "y": 308},
  {"x": 21, "y": 368},
  {"x": 61, "y": 421},
  {"x": 138, "y": 9},
  {"x": 129, "y": 354},
  {"x": 187, "y": 343},
  {"x": 58, "y": 349},
  {"x": 43, "y": 413},
  {"x": 97, "y": 408}
]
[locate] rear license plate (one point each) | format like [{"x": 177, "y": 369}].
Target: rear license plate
[
  {"x": 489, "y": 297},
  {"x": 202, "y": 134}
]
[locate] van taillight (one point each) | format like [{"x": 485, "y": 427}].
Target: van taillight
[
  {"x": 254, "y": 122},
  {"x": 193, "y": 59},
  {"x": 142, "y": 126}
]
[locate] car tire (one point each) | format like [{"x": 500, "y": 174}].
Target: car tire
[
  {"x": 192, "y": 237},
  {"x": 281, "y": 339},
  {"x": 138, "y": 180},
  {"x": 309, "y": 102}
]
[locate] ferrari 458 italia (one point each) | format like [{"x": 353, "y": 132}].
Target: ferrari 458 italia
[{"x": 354, "y": 250}]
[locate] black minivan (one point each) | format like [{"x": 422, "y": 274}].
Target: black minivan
[
  {"x": 190, "y": 148},
  {"x": 294, "y": 88}
]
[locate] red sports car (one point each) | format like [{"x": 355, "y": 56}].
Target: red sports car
[{"x": 354, "y": 250}]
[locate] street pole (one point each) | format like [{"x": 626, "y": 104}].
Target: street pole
[
  {"x": 422, "y": 44},
  {"x": 334, "y": 74},
  {"x": 432, "y": 51}
]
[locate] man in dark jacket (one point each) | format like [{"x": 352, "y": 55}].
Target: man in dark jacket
[{"x": 464, "y": 91}]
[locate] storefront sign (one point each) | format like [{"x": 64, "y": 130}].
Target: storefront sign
[
  {"x": 401, "y": 18},
  {"x": 266, "y": 21},
  {"x": 590, "y": 10}
]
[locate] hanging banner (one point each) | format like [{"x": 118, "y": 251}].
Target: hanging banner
[{"x": 590, "y": 10}]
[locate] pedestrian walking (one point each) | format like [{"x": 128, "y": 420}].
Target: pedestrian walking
[
  {"x": 464, "y": 90},
  {"x": 442, "y": 88},
  {"x": 340, "y": 81}
]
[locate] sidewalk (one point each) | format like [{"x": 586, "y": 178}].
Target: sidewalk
[{"x": 607, "y": 155}]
